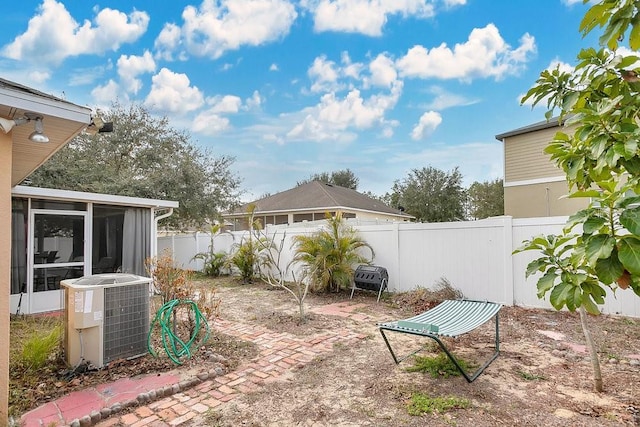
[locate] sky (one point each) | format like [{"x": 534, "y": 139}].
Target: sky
[{"x": 294, "y": 88}]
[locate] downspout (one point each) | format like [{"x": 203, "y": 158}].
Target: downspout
[
  {"x": 154, "y": 232},
  {"x": 546, "y": 189}
]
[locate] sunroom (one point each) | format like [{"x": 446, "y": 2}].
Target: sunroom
[{"x": 60, "y": 234}]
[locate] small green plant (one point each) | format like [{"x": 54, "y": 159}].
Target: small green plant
[
  {"x": 39, "y": 348},
  {"x": 420, "y": 404},
  {"x": 531, "y": 377},
  {"x": 438, "y": 365},
  {"x": 214, "y": 262},
  {"x": 245, "y": 259},
  {"x": 246, "y": 255}
]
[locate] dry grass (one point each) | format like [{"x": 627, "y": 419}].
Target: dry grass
[{"x": 422, "y": 299}]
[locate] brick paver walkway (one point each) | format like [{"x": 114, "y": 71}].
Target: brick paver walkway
[{"x": 279, "y": 353}]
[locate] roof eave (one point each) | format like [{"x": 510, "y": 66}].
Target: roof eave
[
  {"x": 81, "y": 196},
  {"x": 545, "y": 124},
  {"x": 324, "y": 209}
]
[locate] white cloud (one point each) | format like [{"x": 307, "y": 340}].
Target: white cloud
[
  {"x": 106, "y": 93},
  {"x": 167, "y": 41},
  {"x": 363, "y": 16},
  {"x": 130, "y": 67},
  {"x": 324, "y": 74},
  {"x": 349, "y": 68},
  {"x": 334, "y": 118},
  {"x": 429, "y": 121},
  {"x": 484, "y": 54},
  {"x": 224, "y": 104},
  {"x": 210, "y": 123},
  {"x": 53, "y": 35},
  {"x": 255, "y": 101},
  {"x": 172, "y": 92},
  {"x": 273, "y": 67},
  {"x": 214, "y": 121},
  {"x": 222, "y": 25},
  {"x": 453, "y": 3},
  {"x": 383, "y": 72}
]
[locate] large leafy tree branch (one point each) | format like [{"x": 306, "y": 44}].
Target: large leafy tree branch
[{"x": 599, "y": 105}]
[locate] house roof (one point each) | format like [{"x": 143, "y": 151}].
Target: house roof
[
  {"x": 62, "y": 120},
  {"x": 316, "y": 195},
  {"x": 544, "y": 124},
  {"x": 81, "y": 196}
]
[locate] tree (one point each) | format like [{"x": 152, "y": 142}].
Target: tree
[
  {"x": 601, "y": 160},
  {"x": 343, "y": 178},
  {"x": 145, "y": 157},
  {"x": 486, "y": 199},
  {"x": 430, "y": 194},
  {"x": 329, "y": 254},
  {"x": 275, "y": 274}
]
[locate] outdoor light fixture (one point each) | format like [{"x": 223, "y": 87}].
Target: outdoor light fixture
[
  {"x": 97, "y": 125},
  {"x": 36, "y": 136},
  {"x": 6, "y": 125}
]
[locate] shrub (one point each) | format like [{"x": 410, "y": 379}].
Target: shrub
[
  {"x": 169, "y": 281},
  {"x": 246, "y": 258},
  {"x": 330, "y": 254},
  {"x": 214, "y": 262},
  {"x": 172, "y": 283}
]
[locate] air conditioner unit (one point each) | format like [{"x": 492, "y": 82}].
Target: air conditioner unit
[{"x": 106, "y": 317}]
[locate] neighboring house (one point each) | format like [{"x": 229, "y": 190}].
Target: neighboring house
[
  {"x": 60, "y": 234},
  {"x": 19, "y": 156},
  {"x": 533, "y": 185},
  {"x": 311, "y": 202}
]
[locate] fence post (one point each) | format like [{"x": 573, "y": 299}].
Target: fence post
[
  {"x": 395, "y": 238},
  {"x": 508, "y": 283}
]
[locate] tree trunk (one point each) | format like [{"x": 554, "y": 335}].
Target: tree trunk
[
  {"x": 303, "y": 318},
  {"x": 595, "y": 362}
]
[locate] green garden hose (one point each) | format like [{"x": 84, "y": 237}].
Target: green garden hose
[{"x": 173, "y": 345}]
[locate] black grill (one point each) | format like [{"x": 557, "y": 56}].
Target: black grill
[{"x": 370, "y": 278}]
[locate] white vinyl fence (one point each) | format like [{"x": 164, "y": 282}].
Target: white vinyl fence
[{"x": 474, "y": 256}]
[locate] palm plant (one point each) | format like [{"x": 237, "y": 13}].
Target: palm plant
[
  {"x": 330, "y": 254},
  {"x": 213, "y": 262},
  {"x": 246, "y": 256}
]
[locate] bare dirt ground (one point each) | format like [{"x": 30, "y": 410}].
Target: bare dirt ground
[{"x": 542, "y": 377}]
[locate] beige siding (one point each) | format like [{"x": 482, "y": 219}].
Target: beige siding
[
  {"x": 540, "y": 200},
  {"x": 525, "y": 158},
  {"x": 5, "y": 269}
]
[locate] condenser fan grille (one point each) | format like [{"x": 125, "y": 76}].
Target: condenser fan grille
[{"x": 126, "y": 321}]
